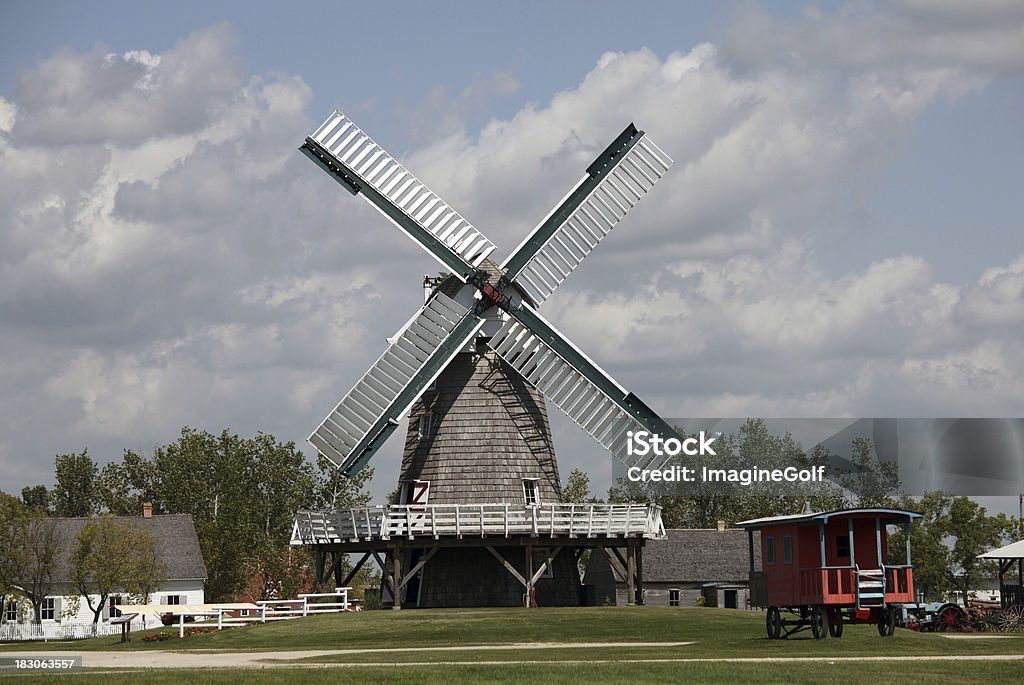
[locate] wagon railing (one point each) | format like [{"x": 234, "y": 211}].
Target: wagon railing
[{"x": 832, "y": 584}]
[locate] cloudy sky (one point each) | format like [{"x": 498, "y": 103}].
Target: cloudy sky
[{"x": 841, "y": 234}]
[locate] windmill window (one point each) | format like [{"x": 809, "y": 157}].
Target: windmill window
[
  {"x": 769, "y": 550},
  {"x": 48, "y": 612},
  {"x": 787, "y": 549},
  {"x": 112, "y": 610},
  {"x": 424, "y": 426},
  {"x": 531, "y": 493}
]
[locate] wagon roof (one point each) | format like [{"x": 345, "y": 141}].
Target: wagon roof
[{"x": 824, "y": 516}]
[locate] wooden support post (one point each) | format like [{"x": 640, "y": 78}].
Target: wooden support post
[
  {"x": 338, "y": 570},
  {"x": 750, "y": 547},
  {"x": 906, "y": 539},
  {"x": 320, "y": 562},
  {"x": 419, "y": 565},
  {"x": 355, "y": 569},
  {"x": 630, "y": 575},
  {"x": 640, "y": 575},
  {"x": 529, "y": 599},
  {"x": 821, "y": 539},
  {"x": 396, "y": 561},
  {"x": 878, "y": 542},
  {"x": 619, "y": 571},
  {"x": 853, "y": 555}
]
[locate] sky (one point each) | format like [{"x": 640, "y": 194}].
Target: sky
[{"x": 840, "y": 234}]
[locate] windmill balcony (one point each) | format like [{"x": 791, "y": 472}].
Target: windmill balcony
[{"x": 434, "y": 521}]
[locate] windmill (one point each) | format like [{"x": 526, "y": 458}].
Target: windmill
[{"x": 475, "y": 366}]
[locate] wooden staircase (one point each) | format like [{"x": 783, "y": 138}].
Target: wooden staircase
[{"x": 870, "y": 587}]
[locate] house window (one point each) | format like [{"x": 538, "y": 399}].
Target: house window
[
  {"x": 172, "y": 599},
  {"x": 843, "y": 547},
  {"x": 243, "y": 612},
  {"x": 424, "y": 426},
  {"x": 531, "y": 494},
  {"x": 787, "y": 549},
  {"x": 769, "y": 550},
  {"x": 540, "y": 555},
  {"x": 48, "y": 611},
  {"x": 112, "y": 610},
  {"x": 10, "y": 611},
  {"x": 673, "y": 597}
]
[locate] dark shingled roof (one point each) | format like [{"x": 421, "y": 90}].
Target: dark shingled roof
[
  {"x": 177, "y": 546},
  {"x": 700, "y": 556}
]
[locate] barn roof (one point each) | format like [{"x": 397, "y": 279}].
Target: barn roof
[
  {"x": 177, "y": 546},
  {"x": 699, "y": 556},
  {"x": 824, "y": 516},
  {"x": 1014, "y": 550}
]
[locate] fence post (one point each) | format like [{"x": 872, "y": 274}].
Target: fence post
[{"x": 220, "y": 619}]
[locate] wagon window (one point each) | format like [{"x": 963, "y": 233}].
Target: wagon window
[
  {"x": 787, "y": 549},
  {"x": 769, "y": 549},
  {"x": 843, "y": 546}
]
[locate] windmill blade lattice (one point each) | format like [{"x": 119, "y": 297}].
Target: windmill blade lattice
[
  {"x": 369, "y": 413},
  {"x": 366, "y": 167},
  {"x": 614, "y": 183},
  {"x": 574, "y": 383}
]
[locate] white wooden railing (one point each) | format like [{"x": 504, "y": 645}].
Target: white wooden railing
[{"x": 480, "y": 520}]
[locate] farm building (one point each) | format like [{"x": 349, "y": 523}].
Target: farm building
[
  {"x": 678, "y": 570},
  {"x": 177, "y": 551}
]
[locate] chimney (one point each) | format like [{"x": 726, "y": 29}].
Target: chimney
[
  {"x": 147, "y": 510},
  {"x": 721, "y": 526}
]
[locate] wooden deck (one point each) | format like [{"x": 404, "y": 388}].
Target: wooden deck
[{"x": 436, "y": 521}]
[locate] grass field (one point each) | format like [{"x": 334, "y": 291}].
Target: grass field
[{"x": 712, "y": 634}]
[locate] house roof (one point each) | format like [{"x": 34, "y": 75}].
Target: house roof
[
  {"x": 824, "y": 516},
  {"x": 177, "y": 546},
  {"x": 699, "y": 556},
  {"x": 1014, "y": 550}
]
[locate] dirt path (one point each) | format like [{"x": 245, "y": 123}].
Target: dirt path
[{"x": 286, "y": 659}]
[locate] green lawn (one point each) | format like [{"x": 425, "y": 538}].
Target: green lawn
[
  {"x": 921, "y": 673},
  {"x": 714, "y": 633}
]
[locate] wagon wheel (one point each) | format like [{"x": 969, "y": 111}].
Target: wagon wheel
[
  {"x": 773, "y": 623},
  {"x": 887, "y": 622},
  {"x": 835, "y": 623},
  {"x": 950, "y": 618},
  {"x": 819, "y": 622},
  {"x": 1011, "y": 618}
]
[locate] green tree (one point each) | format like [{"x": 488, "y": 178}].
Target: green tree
[
  {"x": 31, "y": 543},
  {"x": 331, "y": 490},
  {"x": 124, "y": 487},
  {"x": 113, "y": 556},
  {"x": 973, "y": 532},
  {"x": 36, "y": 496},
  {"x": 577, "y": 488},
  {"x": 873, "y": 481},
  {"x": 74, "y": 493}
]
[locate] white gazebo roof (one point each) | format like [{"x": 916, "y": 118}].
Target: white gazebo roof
[{"x": 1014, "y": 550}]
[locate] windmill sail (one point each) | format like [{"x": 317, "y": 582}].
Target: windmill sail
[
  {"x": 574, "y": 383},
  {"x": 614, "y": 183},
  {"x": 356, "y": 161},
  {"x": 370, "y": 412}
]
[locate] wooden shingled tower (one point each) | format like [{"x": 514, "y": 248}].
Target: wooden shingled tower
[{"x": 479, "y": 519}]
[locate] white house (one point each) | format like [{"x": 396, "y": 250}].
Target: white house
[{"x": 177, "y": 549}]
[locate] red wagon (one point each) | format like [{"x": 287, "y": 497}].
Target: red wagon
[{"x": 825, "y": 569}]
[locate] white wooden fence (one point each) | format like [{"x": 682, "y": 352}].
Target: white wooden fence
[
  {"x": 483, "y": 520},
  {"x": 21, "y": 632}
]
